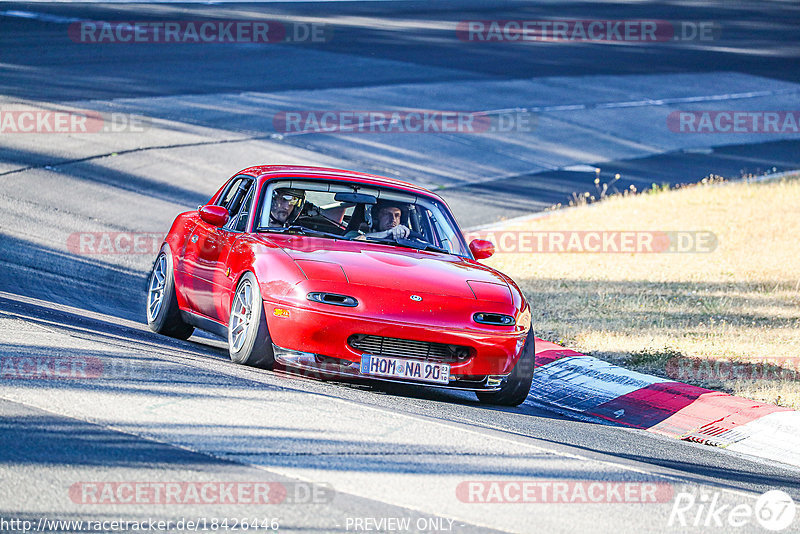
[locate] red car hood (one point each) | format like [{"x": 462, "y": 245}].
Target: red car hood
[{"x": 392, "y": 267}]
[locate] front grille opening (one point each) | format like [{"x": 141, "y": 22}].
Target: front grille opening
[{"x": 408, "y": 348}]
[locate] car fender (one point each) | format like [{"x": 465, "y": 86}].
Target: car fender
[
  {"x": 275, "y": 271},
  {"x": 181, "y": 228}
]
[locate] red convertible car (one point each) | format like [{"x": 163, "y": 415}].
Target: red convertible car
[{"x": 355, "y": 274}]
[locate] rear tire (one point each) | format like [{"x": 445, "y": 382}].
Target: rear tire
[
  {"x": 249, "y": 342},
  {"x": 517, "y": 385},
  {"x": 163, "y": 314}
]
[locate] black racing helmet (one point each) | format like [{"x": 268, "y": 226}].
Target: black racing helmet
[{"x": 295, "y": 197}]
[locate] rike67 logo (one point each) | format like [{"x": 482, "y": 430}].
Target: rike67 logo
[{"x": 774, "y": 510}]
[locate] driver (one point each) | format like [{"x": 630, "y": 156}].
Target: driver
[
  {"x": 387, "y": 219},
  {"x": 285, "y": 203}
]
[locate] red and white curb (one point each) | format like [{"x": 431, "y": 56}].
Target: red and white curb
[{"x": 598, "y": 390}]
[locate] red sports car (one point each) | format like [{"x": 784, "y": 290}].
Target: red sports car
[{"x": 350, "y": 273}]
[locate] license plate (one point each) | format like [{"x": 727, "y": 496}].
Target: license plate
[{"x": 438, "y": 373}]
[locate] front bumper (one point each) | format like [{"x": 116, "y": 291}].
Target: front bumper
[
  {"x": 324, "y": 335},
  {"x": 323, "y": 367}
]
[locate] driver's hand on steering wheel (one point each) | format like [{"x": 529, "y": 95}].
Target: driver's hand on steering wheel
[{"x": 398, "y": 232}]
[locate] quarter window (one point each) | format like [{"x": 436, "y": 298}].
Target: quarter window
[
  {"x": 238, "y": 199},
  {"x": 239, "y": 222}
]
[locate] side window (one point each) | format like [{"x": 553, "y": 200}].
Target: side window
[
  {"x": 240, "y": 224},
  {"x": 228, "y": 195},
  {"x": 236, "y": 201}
]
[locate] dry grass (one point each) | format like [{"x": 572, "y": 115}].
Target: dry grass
[{"x": 666, "y": 311}]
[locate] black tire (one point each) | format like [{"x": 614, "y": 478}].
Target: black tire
[
  {"x": 255, "y": 349},
  {"x": 167, "y": 318},
  {"x": 517, "y": 385}
]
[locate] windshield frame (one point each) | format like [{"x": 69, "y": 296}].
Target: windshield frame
[{"x": 268, "y": 185}]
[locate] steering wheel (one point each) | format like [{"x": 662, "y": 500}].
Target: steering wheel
[{"x": 416, "y": 235}]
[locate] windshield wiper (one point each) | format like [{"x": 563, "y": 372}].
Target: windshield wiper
[
  {"x": 434, "y": 248},
  {"x": 384, "y": 240},
  {"x": 298, "y": 229},
  {"x": 407, "y": 243}
]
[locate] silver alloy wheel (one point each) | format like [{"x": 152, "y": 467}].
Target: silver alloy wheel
[
  {"x": 155, "y": 293},
  {"x": 241, "y": 313}
]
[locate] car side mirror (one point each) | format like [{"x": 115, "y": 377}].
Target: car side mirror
[
  {"x": 481, "y": 248},
  {"x": 214, "y": 215}
]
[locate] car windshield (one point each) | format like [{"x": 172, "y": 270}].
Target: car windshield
[{"x": 338, "y": 210}]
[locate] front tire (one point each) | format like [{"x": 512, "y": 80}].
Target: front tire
[
  {"x": 249, "y": 342},
  {"x": 517, "y": 385},
  {"x": 163, "y": 314}
]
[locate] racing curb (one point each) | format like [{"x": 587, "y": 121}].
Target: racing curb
[{"x": 595, "y": 390}]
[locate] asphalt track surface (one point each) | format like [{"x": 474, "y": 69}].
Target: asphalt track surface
[{"x": 172, "y": 411}]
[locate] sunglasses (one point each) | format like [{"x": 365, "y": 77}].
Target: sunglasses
[{"x": 285, "y": 197}]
